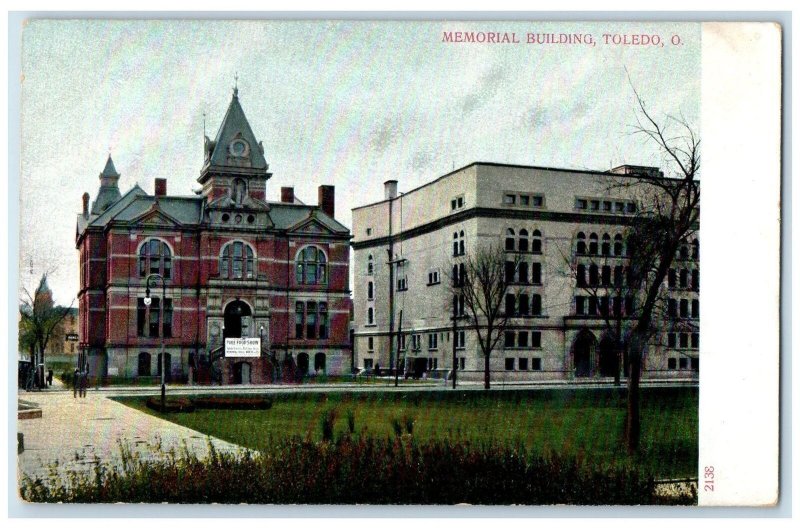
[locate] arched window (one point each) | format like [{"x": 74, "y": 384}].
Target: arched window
[
  {"x": 155, "y": 258},
  {"x": 510, "y": 240},
  {"x": 455, "y": 243},
  {"x": 618, "y": 245},
  {"x": 319, "y": 362},
  {"x": 581, "y": 250},
  {"x": 312, "y": 268},
  {"x": 523, "y": 240},
  {"x": 593, "y": 244},
  {"x": 695, "y": 249},
  {"x": 144, "y": 365},
  {"x": 606, "y": 248},
  {"x": 461, "y": 248},
  {"x": 370, "y": 316},
  {"x": 237, "y": 261},
  {"x": 536, "y": 243},
  {"x": 536, "y": 305},
  {"x": 370, "y": 265}
]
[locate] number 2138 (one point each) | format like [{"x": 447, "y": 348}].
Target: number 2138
[{"x": 708, "y": 479}]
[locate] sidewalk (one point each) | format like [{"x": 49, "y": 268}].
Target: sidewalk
[{"x": 76, "y": 433}]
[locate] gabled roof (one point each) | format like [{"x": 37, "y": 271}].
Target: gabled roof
[
  {"x": 235, "y": 125},
  {"x": 293, "y": 216}
]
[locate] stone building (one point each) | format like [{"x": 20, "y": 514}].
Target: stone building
[
  {"x": 565, "y": 227},
  {"x": 234, "y": 265}
]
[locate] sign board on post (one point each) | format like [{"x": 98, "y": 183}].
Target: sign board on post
[{"x": 242, "y": 347}]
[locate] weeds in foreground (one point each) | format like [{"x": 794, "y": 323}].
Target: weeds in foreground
[{"x": 352, "y": 470}]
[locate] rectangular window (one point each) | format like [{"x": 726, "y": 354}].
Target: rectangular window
[
  {"x": 580, "y": 203},
  {"x": 416, "y": 342},
  {"x": 631, "y": 207},
  {"x": 684, "y": 278},
  {"x": 141, "y": 316},
  {"x": 592, "y": 305},
  {"x": 311, "y": 319},
  {"x": 629, "y": 305},
  {"x": 461, "y": 339},
  {"x": 684, "y": 308},
  {"x": 683, "y": 363},
  {"x": 524, "y": 200},
  {"x": 436, "y": 363},
  {"x": 509, "y": 200},
  {"x": 524, "y": 306},
  {"x": 580, "y": 305},
  {"x": 167, "y": 318},
  {"x": 538, "y": 201},
  {"x": 510, "y": 304},
  {"x": 606, "y": 205},
  {"x": 695, "y": 364},
  {"x": 672, "y": 363},
  {"x": 696, "y": 280},
  {"x": 511, "y": 269},
  {"x": 371, "y": 344},
  {"x": 453, "y": 204},
  {"x": 154, "y": 317},
  {"x": 695, "y": 308},
  {"x": 299, "y": 319},
  {"x": 167, "y": 267},
  {"x": 460, "y": 202},
  {"x": 536, "y": 339},
  {"x": 536, "y": 364},
  {"x": 509, "y": 339},
  {"x": 619, "y": 207},
  {"x": 684, "y": 340},
  {"x": 462, "y": 363},
  {"x": 523, "y": 272},
  {"x": 523, "y": 364},
  {"x": 671, "y": 278},
  {"x": 595, "y": 205},
  {"x": 536, "y": 273},
  {"x": 142, "y": 266},
  {"x": 323, "y": 320},
  {"x": 695, "y": 340},
  {"x": 671, "y": 340},
  {"x": 509, "y": 364},
  {"x": 402, "y": 284},
  {"x": 433, "y": 341},
  {"x": 368, "y": 363},
  {"x": 402, "y": 341},
  {"x": 369, "y": 231},
  {"x": 672, "y": 308},
  {"x": 522, "y": 339}
]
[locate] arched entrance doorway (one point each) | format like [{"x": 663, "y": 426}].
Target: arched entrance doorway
[
  {"x": 582, "y": 352},
  {"x": 241, "y": 373},
  {"x": 302, "y": 364},
  {"x": 238, "y": 317},
  {"x": 608, "y": 358}
]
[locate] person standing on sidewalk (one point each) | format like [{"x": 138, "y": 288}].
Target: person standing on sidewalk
[
  {"x": 76, "y": 380},
  {"x": 84, "y": 382}
]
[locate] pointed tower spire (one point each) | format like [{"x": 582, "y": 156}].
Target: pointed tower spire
[{"x": 109, "y": 190}]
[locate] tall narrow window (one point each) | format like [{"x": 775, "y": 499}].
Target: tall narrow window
[
  {"x": 695, "y": 249},
  {"x": 593, "y": 244},
  {"x": 167, "y": 318},
  {"x": 141, "y": 317},
  {"x": 684, "y": 278},
  {"x": 695, "y": 308},
  {"x": 370, "y": 290},
  {"x": 593, "y": 275},
  {"x": 580, "y": 305},
  {"x": 536, "y": 243},
  {"x": 523, "y": 272},
  {"x": 536, "y": 305},
  {"x": 524, "y": 305},
  {"x": 606, "y": 248},
  {"x": 455, "y": 244},
  {"x": 311, "y": 319},
  {"x": 155, "y": 314},
  {"x": 618, "y": 245},
  {"x": 523, "y": 240},
  {"x": 618, "y": 276},
  {"x": 299, "y": 319},
  {"x": 370, "y": 265},
  {"x": 511, "y": 269},
  {"x": 510, "y": 240},
  {"x": 684, "y": 308},
  {"x": 581, "y": 246},
  {"x": 462, "y": 274},
  {"x": 370, "y": 316},
  {"x": 581, "y": 273},
  {"x": 323, "y": 321},
  {"x": 671, "y": 278},
  {"x": 461, "y": 248},
  {"x": 536, "y": 273},
  {"x": 510, "y": 304},
  {"x": 606, "y": 276},
  {"x": 696, "y": 280}
]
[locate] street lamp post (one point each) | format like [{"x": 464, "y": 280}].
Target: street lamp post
[{"x": 147, "y": 301}]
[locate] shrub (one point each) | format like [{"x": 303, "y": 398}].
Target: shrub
[
  {"x": 408, "y": 421},
  {"x": 397, "y": 426},
  {"x": 351, "y": 421},
  {"x": 171, "y": 405},
  {"x": 232, "y": 403}
]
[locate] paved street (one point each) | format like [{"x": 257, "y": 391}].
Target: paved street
[{"x": 78, "y": 432}]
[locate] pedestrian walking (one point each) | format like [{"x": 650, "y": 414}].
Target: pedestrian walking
[
  {"x": 49, "y": 377},
  {"x": 76, "y": 382},
  {"x": 84, "y": 382}
]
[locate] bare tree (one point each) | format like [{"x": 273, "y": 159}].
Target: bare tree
[
  {"x": 39, "y": 320},
  {"x": 481, "y": 283},
  {"x": 668, "y": 218}
]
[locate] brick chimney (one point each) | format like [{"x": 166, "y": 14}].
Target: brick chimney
[
  {"x": 326, "y": 200},
  {"x": 287, "y": 195},
  {"x": 161, "y": 187},
  {"x": 86, "y": 205}
]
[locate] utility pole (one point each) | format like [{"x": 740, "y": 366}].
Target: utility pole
[
  {"x": 399, "y": 334},
  {"x": 455, "y": 330}
]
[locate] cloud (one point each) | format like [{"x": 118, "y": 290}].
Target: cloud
[
  {"x": 386, "y": 133},
  {"x": 485, "y": 88}
]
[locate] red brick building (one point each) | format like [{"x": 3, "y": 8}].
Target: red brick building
[{"x": 234, "y": 265}]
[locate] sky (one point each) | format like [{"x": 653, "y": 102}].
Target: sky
[{"x": 347, "y": 103}]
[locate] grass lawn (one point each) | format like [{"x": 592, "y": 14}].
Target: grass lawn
[{"x": 582, "y": 423}]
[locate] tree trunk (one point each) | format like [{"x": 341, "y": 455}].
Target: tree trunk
[
  {"x": 633, "y": 424},
  {"x": 485, "y": 371}
]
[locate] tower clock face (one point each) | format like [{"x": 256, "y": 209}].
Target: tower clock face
[{"x": 239, "y": 148}]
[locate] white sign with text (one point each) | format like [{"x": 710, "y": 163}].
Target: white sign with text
[{"x": 242, "y": 347}]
